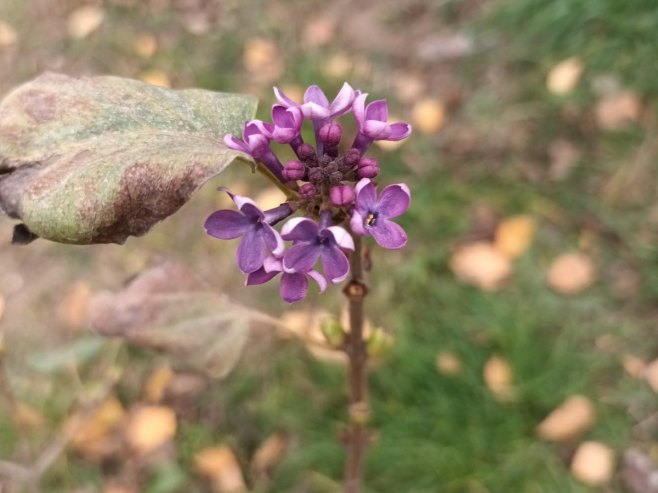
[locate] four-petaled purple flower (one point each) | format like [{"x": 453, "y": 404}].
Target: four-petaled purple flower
[
  {"x": 316, "y": 106},
  {"x": 373, "y": 123},
  {"x": 254, "y": 226},
  {"x": 286, "y": 124},
  {"x": 293, "y": 286},
  {"x": 371, "y": 215},
  {"x": 313, "y": 242}
]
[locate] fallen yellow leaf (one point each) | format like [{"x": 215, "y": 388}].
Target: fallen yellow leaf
[
  {"x": 570, "y": 273},
  {"x": 498, "y": 378},
  {"x": 563, "y": 77},
  {"x": 156, "y": 384},
  {"x": 268, "y": 455},
  {"x": 482, "y": 265},
  {"x": 570, "y": 419},
  {"x": 593, "y": 463},
  {"x": 220, "y": 465},
  {"x": 84, "y": 20},
  {"x": 428, "y": 115},
  {"x": 149, "y": 427},
  {"x": 514, "y": 236},
  {"x": 99, "y": 425}
]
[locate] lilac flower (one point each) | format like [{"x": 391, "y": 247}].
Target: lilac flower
[
  {"x": 287, "y": 124},
  {"x": 293, "y": 286},
  {"x": 313, "y": 242},
  {"x": 373, "y": 125},
  {"x": 371, "y": 215},
  {"x": 254, "y": 226},
  {"x": 316, "y": 106},
  {"x": 256, "y": 142}
]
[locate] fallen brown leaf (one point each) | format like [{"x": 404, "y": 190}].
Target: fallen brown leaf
[
  {"x": 593, "y": 463},
  {"x": 570, "y": 273},
  {"x": 268, "y": 455},
  {"x": 84, "y": 20},
  {"x": 150, "y": 427},
  {"x": 220, "y": 465},
  {"x": 104, "y": 421},
  {"x": 482, "y": 265},
  {"x": 514, "y": 236},
  {"x": 428, "y": 115},
  {"x": 634, "y": 366},
  {"x": 156, "y": 384},
  {"x": 617, "y": 110},
  {"x": 568, "y": 420},
  {"x": 498, "y": 377},
  {"x": 563, "y": 77}
]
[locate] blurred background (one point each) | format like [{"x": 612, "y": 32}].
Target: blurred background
[{"x": 523, "y": 309}]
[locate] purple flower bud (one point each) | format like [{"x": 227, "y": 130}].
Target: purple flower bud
[
  {"x": 368, "y": 168},
  {"x": 305, "y": 151},
  {"x": 330, "y": 134},
  {"x": 294, "y": 170},
  {"x": 316, "y": 175},
  {"x": 307, "y": 190},
  {"x": 341, "y": 195},
  {"x": 352, "y": 157}
]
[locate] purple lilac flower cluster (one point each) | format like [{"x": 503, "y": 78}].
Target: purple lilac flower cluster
[{"x": 334, "y": 193}]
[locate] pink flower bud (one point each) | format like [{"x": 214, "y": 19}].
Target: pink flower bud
[
  {"x": 368, "y": 168},
  {"x": 294, "y": 170},
  {"x": 305, "y": 151},
  {"x": 330, "y": 134},
  {"x": 307, "y": 190},
  {"x": 341, "y": 195}
]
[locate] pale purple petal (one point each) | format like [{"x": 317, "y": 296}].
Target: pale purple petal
[
  {"x": 301, "y": 257},
  {"x": 359, "y": 108},
  {"x": 393, "y": 201},
  {"x": 335, "y": 264},
  {"x": 226, "y": 224},
  {"x": 377, "y": 110},
  {"x": 315, "y": 95},
  {"x": 342, "y": 237},
  {"x": 314, "y": 111},
  {"x": 273, "y": 240},
  {"x": 300, "y": 229},
  {"x": 272, "y": 264},
  {"x": 293, "y": 287},
  {"x": 247, "y": 206},
  {"x": 388, "y": 234},
  {"x": 399, "y": 131},
  {"x": 356, "y": 223},
  {"x": 366, "y": 195},
  {"x": 318, "y": 278},
  {"x": 262, "y": 128},
  {"x": 376, "y": 129},
  {"x": 341, "y": 104},
  {"x": 251, "y": 251},
  {"x": 235, "y": 144},
  {"x": 283, "y": 99},
  {"x": 259, "y": 276}
]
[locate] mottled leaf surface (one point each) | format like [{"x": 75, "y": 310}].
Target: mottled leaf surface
[
  {"x": 97, "y": 159},
  {"x": 168, "y": 309}
]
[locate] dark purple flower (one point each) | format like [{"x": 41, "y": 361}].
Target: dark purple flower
[
  {"x": 287, "y": 124},
  {"x": 255, "y": 141},
  {"x": 371, "y": 215},
  {"x": 313, "y": 242},
  {"x": 316, "y": 106},
  {"x": 373, "y": 123},
  {"x": 293, "y": 286},
  {"x": 254, "y": 226}
]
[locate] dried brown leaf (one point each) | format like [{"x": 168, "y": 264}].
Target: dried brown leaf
[
  {"x": 482, "y": 265},
  {"x": 568, "y": 420},
  {"x": 571, "y": 273},
  {"x": 149, "y": 427},
  {"x": 514, "y": 236},
  {"x": 498, "y": 377},
  {"x": 593, "y": 463},
  {"x": 268, "y": 455},
  {"x": 563, "y": 77},
  {"x": 220, "y": 465},
  {"x": 84, "y": 20},
  {"x": 428, "y": 115}
]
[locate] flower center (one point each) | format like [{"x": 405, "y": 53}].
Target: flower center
[{"x": 371, "y": 219}]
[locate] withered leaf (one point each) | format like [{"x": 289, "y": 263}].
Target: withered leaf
[
  {"x": 168, "y": 309},
  {"x": 97, "y": 159}
]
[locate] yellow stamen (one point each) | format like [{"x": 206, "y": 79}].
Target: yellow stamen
[{"x": 370, "y": 219}]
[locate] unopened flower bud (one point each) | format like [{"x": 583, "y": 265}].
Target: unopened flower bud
[
  {"x": 352, "y": 157},
  {"x": 294, "y": 170},
  {"x": 305, "y": 151},
  {"x": 368, "y": 168},
  {"x": 379, "y": 343},
  {"x": 316, "y": 175},
  {"x": 333, "y": 333},
  {"x": 335, "y": 177},
  {"x": 307, "y": 190},
  {"x": 330, "y": 134},
  {"x": 341, "y": 195}
]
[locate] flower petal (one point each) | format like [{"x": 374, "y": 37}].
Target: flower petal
[
  {"x": 377, "y": 110},
  {"x": 342, "y": 237},
  {"x": 247, "y": 206},
  {"x": 259, "y": 276},
  {"x": 343, "y": 100},
  {"x": 335, "y": 264},
  {"x": 235, "y": 143},
  {"x": 388, "y": 234},
  {"x": 227, "y": 224},
  {"x": 366, "y": 196},
  {"x": 393, "y": 201},
  {"x": 315, "y": 95},
  {"x": 300, "y": 229},
  {"x": 314, "y": 111},
  {"x": 273, "y": 240},
  {"x": 359, "y": 109},
  {"x": 301, "y": 257},
  {"x": 399, "y": 131},
  {"x": 356, "y": 223},
  {"x": 252, "y": 250},
  {"x": 293, "y": 287},
  {"x": 283, "y": 99},
  {"x": 272, "y": 264},
  {"x": 318, "y": 278},
  {"x": 376, "y": 129}
]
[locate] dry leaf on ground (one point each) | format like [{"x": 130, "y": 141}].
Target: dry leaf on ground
[
  {"x": 593, "y": 463},
  {"x": 428, "y": 115},
  {"x": 8, "y": 35},
  {"x": 563, "y": 77},
  {"x": 514, "y": 236},
  {"x": 92, "y": 437},
  {"x": 568, "y": 420},
  {"x": 149, "y": 427},
  {"x": 498, "y": 377},
  {"x": 448, "y": 363},
  {"x": 155, "y": 78},
  {"x": 651, "y": 374},
  {"x": 481, "y": 264},
  {"x": 220, "y": 465},
  {"x": 156, "y": 384},
  {"x": 84, "y": 20},
  {"x": 570, "y": 273},
  {"x": 634, "y": 366},
  {"x": 615, "y": 111},
  {"x": 268, "y": 455}
]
